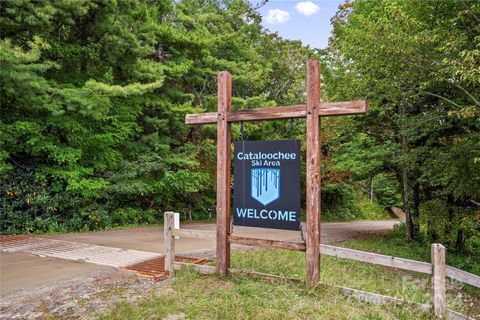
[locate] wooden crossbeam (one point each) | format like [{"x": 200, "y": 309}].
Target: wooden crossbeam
[
  {"x": 281, "y": 112},
  {"x": 313, "y": 110}
]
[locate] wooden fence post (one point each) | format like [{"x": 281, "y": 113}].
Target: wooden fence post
[
  {"x": 223, "y": 171},
  {"x": 313, "y": 173},
  {"x": 438, "y": 280},
  {"x": 168, "y": 225}
]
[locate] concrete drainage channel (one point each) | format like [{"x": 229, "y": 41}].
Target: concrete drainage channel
[{"x": 141, "y": 262}]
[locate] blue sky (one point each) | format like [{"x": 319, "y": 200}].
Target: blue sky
[{"x": 307, "y": 20}]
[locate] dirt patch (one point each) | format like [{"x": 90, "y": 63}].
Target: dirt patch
[{"x": 82, "y": 297}]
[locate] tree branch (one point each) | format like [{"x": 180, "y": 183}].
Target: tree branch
[
  {"x": 441, "y": 97},
  {"x": 466, "y": 92}
]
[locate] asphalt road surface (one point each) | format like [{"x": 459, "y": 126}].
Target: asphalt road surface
[
  {"x": 20, "y": 271},
  {"x": 151, "y": 238}
]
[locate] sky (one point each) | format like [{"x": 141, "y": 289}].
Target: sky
[{"x": 305, "y": 20}]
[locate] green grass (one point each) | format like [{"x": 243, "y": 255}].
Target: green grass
[
  {"x": 210, "y": 297},
  {"x": 242, "y": 297},
  {"x": 336, "y": 271},
  {"x": 409, "y": 286},
  {"x": 394, "y": 244},
  {"x": 362, "y": 210}
]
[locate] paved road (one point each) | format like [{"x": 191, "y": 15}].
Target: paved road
[
  {"x": 151, "y": 238},
  {"x": 24, "y": 271}
]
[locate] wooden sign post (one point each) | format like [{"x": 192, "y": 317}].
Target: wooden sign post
[{"x": 312, "y": 111}]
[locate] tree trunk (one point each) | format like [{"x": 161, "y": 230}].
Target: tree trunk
[
  {"x": 371, "y": 190},
  {"x": 415, "y": 216},
  {"x": 460, "y": 245},
  {"x": 431, "y": 232},
  {"x": 406, "y": 207},
  {"x": 449, "y": 228}
]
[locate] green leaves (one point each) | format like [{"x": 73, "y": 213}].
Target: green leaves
[
  {"x": 416, "y": 64},
  {"x": 363, "y": 157},
  {"x": 94, "y": 97},
  {"x": 66, "y": 108}
]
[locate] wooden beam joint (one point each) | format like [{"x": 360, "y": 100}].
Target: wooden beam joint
[{"x": 281, "y": 112}]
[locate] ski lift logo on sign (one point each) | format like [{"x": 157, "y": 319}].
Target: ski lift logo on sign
[{"x": 265, "y": 185}]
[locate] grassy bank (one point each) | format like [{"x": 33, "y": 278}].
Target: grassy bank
[
  {"x": 394, "y": 244},
  {"x": 409, "y": 286},
  {"x": 359, "y": 210},
  {"x": 194, "y": 296}
]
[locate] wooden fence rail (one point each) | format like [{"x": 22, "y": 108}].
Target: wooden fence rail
[
  {"x": 463, "y": 276},
  {"x": 189, "y": 233},
  {"x": 368, "y": 257},
  {"x": 438, "y": 269},
  {"x": 375, "y": 258}
]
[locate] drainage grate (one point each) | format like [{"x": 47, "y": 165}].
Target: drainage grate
[{"x": 155, "y": 268}]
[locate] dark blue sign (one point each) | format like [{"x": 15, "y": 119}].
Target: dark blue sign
[{"x": 266, "y": 190}]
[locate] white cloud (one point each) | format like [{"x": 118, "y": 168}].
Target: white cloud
[
  {"x": 307, "y": 8},
  {"x": 277, "y": 16}
]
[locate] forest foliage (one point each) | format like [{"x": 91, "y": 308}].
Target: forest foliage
[
  {"x": 94, "y": 95},
  {"x": 418, "y": 65}
]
